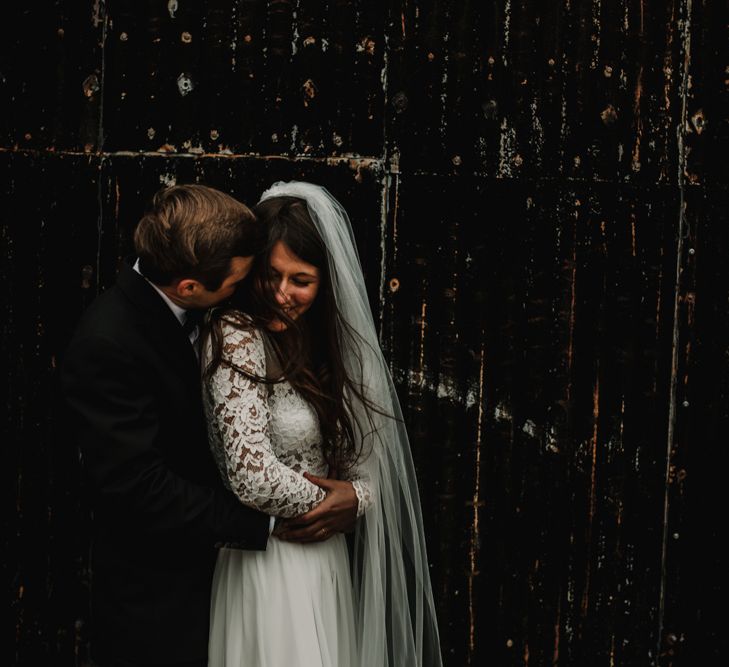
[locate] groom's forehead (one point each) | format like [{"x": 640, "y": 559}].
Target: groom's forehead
[{"x": 240, "y": 266}]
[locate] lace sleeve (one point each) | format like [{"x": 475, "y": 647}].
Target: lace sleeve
[
  {"x": 239, "y": 411},
  {"x": 362, "y": 483}
]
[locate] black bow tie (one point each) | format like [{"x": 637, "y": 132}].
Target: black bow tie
[{"x": 193, "y": 318}]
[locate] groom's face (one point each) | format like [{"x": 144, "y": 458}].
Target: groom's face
[{"x": 204, "y": 298}]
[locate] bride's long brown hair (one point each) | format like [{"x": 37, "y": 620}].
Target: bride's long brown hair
[{"x": 309, "y": 350}]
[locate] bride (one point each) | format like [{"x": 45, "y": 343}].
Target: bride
[{"x": 295, "y": 382}]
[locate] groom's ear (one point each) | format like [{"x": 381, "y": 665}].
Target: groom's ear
[{"x": 188, "y": 287}]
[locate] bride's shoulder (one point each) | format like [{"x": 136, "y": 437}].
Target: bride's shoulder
[
  {"x": 238, "y": 329},
  {"x": 231, "y": 318}
]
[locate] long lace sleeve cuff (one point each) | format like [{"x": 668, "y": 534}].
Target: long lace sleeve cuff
[
  {"x": 358, "y": 472},
  {"x": 239, "y": 426},
  {"x": 364, "y": 495}
]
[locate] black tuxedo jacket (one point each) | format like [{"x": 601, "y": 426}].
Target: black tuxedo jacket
[{"x": 132, "y": 384}]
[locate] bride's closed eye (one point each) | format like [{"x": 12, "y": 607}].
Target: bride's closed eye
[{"x": 296, "y": 280}]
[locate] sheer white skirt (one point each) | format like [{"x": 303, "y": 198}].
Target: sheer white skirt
[{"x": 288, "y": 606}]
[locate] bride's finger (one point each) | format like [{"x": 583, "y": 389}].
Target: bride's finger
[
  {"x": 316, "y": 532},
  {"x": 312, "y": 515},
  {"x": 322, "y": 482},
  {"x": 301, "y": 521}
]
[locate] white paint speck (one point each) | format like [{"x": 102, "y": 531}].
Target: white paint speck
[
  {"x": 295, "y": 31},
  {"x": 507, "y": 35},
  {"x": 185, "y": 84},
  {"x": 507, "y": 146},
  {"x": 447, "y": 389},
  {"x": 502, "y": 413},
  {"x": 551, "y": 440},
  {"x": 530, "y": 428}
]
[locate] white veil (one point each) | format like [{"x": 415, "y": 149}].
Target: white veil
[{"x": 394, "y": 611}]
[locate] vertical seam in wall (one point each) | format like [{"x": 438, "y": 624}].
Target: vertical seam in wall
[
  {"x": 102, "y": 74},
  {"x": 100, "y": 147},
  {"x": 685, "y": 26},
  {"x": 384, "y": 214},
  {"x": 385, "y": 180}
]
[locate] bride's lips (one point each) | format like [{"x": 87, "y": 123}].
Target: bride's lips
[{"x": 291, "y": 312}]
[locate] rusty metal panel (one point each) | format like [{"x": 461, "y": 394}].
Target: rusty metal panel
[
  {"x": 705, "y": 60},
  {"x": 522, "y": 89},
  {"x": 50, "y": 88},
  {"x": 698, "y": 427},
  {"x": 272, "y": 78},
  {"x": 696, "y": 554},
  {"x": 49, "y": 241},
  {"x": 530, "y": 328}
]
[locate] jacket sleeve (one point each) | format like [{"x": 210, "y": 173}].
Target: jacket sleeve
[{"x": 118, "y": 427}]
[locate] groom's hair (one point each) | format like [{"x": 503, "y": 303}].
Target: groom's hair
[{"x": 193, "y": 231}]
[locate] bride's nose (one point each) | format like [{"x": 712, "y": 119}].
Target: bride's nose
[{"x": 281, "y": 298}]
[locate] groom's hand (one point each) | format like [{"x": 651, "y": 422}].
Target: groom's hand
[{"x": 336, "y": 513}]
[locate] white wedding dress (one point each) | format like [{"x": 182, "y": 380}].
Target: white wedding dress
[{"x": 291, "y": 605}]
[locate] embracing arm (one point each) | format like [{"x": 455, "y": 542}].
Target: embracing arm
[
  {"x": 347, "y": 499},
  {"x": 118, "y": 426},
  {"x": 240, "y": 414}
]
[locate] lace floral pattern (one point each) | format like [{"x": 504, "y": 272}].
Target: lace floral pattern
[{"x": 264, "y": 437}]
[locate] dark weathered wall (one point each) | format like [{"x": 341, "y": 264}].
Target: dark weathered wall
[{"x": 540, "y": 196}]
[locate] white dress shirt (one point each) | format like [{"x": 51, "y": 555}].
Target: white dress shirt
[{"x": 179, "y": 312}]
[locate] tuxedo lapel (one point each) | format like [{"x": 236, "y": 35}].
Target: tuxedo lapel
[{"x": 160, "y": 325}]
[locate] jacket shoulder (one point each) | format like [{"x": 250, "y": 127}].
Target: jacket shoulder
[{"x": 109, "y": 315}]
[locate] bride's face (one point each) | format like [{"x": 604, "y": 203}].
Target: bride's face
[{"x": 296, "y": 284}]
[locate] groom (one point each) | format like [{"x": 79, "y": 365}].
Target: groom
[{"x": 131, "y": 379}]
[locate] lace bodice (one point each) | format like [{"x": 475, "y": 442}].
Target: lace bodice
[{"x": 265, "y": 436}]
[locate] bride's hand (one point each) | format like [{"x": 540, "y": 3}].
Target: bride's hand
[{"x": 336, "y": 513}]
